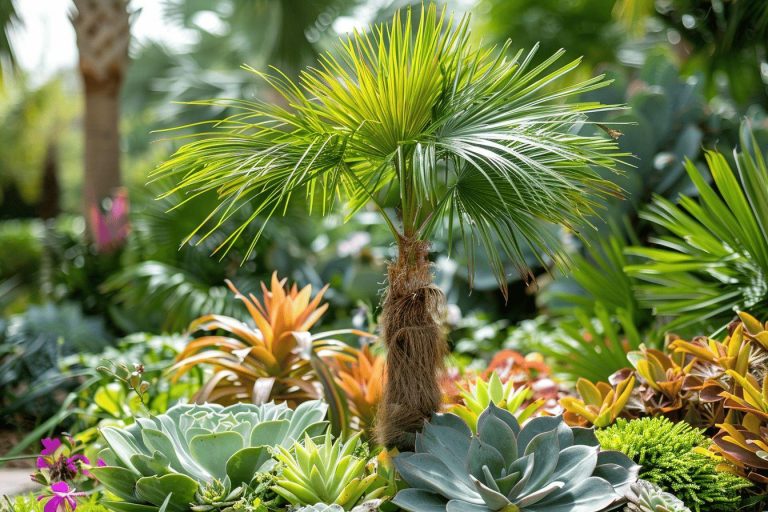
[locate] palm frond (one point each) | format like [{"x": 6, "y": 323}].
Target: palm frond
[
  {"x": 591, "y": 348},
  {"x": 714, "y": 258},
  {"x": 467, "y": 137}
]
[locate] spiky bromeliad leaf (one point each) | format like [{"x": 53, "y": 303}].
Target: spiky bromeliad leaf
[
  {"x": 182, "y": 451},
  {"x": 714, "y": 258},
  {"x": 545, "y": 466},
  {"x": 463, "y": 137}
]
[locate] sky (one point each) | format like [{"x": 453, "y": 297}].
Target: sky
[{"x": 45, "y": 43}]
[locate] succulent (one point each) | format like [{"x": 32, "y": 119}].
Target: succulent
[
  {"x": 330, "y": 472},
  {"x": 600, "y": 405},
  {"x": 545, "y": 466},
  {"x": 175, "y": 454},
  {"x": 478, "y": 396},
  {"x": 216, "y": 495},
  {"x": 643, "y": 496},
  {"x": 368, "y": 506},
  {"x": 270, "y": 362}
]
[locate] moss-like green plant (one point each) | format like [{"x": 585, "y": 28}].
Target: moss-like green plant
[{"x": 667, "y": 453}]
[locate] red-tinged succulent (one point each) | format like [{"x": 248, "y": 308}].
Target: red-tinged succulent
[
  {"x": 600, "y": 404},
  {"x": 745, "y": 448},
  {"x": 270, "y": 360},
  {"x": 512, "y": 365},
  {"x": 754, "y": 329},
  {"x": 526, "y": 370}
]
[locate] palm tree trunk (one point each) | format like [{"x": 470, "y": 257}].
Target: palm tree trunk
[
  {"x": 103, "y": 36},
  {"x": 102, "y": 142},
  {"x": 411, "y": 318}
]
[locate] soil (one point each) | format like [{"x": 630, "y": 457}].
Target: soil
[{"x": 9, "y": 439}]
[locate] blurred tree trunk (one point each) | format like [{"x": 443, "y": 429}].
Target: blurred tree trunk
[
  {"x": 103, "y": 35},
  {"x": 50, "y": 198}
]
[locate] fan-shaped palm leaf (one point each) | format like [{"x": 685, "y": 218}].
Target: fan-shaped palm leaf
[{"x": 464, "y": 134}]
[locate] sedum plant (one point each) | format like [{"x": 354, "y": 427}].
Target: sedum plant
[
  {"x": 545, "y": 466},
  {"x": 332, "y": 472},
  {"x": 670, "y": 456},
  {"x": 177, "y": 455},
  {"x": 270, "y": 362},
  {"x": 478, "y": 396},
  {"x": 435, "y": 134},
  {"x": 643, "y": 496}
]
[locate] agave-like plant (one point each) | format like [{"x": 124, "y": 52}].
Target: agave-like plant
[
  {"x": 643, "y": 496},
  {"x": 170, "y": 459},
  {"x": 479, "y": 395},
  {"x": 545, "y": 466},
  {"x": 327, "y": 472},
  {"x": 270, "y": 362}
]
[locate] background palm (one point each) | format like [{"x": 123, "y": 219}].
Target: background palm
[{"x": 434, "y": 134}]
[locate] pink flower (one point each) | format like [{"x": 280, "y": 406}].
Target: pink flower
[
  {"x": 101, "y": 463},
  {"x": 64, "y": 499},
  {"x": 46, "y": 455},
  {"x": 71, "y": 461},
  {"x": 109, "y": 229},
  {"x": 50, "y": 446}
]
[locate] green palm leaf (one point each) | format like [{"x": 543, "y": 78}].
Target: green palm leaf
[
  {"x": 714, "y": 258},
  {"x": 462, "y": 137}
]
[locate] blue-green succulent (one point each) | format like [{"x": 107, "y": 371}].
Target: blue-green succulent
[
  {"x": 544, "y": 466},
  {"x": 168, "y": 460}
]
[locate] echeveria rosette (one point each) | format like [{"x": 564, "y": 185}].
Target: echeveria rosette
[
  {"x": 545, "y": 466},
  {"x": 368, "y": 506},
  {"x": 645, "y": 496},
  {"x": 190, "y": 445}
]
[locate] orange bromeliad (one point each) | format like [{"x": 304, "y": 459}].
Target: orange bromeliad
[{"x": 271, "y": 360}]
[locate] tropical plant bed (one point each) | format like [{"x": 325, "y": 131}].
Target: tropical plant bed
[{"x": 257, "y": 410}]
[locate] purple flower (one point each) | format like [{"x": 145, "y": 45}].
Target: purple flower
[
  {"x": 64, "y": 499},
  {"x": 50, "y": 446},
  {"x": 101, "y": 463},
  {"x": 46, "y": 455},
  {"x": 71, "y": 461},
  {"x": 110, "y": 229}
]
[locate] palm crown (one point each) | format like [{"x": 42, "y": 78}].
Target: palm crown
[{"x": 460, "y": 137}]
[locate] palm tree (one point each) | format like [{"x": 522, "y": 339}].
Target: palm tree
[
  {"x": 8, "y": 19},
  {"x": 413, "y": 121},
  {"x": 103, "y": 34}
]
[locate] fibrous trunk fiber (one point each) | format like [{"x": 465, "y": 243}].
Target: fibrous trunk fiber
[{"x": 412, "y": 313}]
